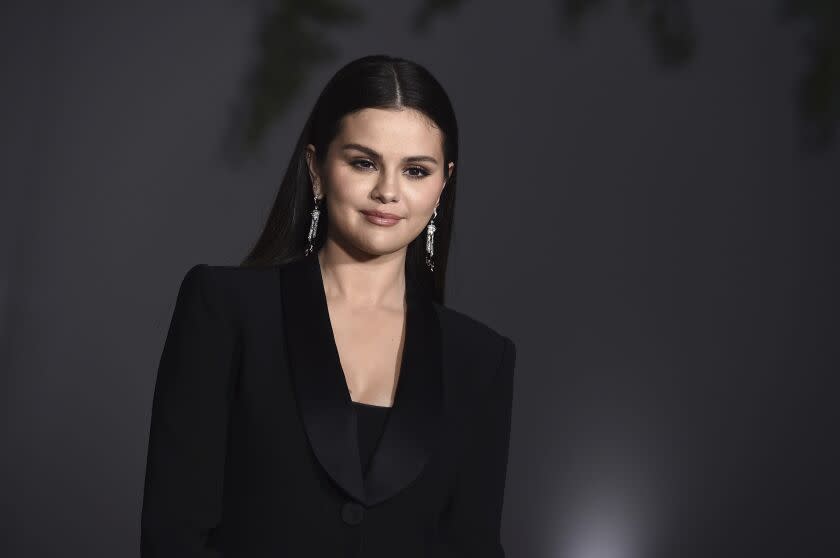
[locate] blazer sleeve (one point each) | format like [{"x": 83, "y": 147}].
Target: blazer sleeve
[
  {"x": 472, "y": 525},
  {"x": 182, "y": 497}
]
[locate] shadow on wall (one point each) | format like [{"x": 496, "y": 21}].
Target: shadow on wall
[{"x": 292, "y": 43}]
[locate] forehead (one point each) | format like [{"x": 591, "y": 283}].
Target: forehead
[{"x": 392, "y": 132}]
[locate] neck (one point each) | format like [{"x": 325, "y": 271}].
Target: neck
[{"x": 369, "y": 281}]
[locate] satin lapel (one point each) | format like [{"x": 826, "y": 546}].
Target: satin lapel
[
  {"x": 320, "y": 388},
  {"x": 413, "y": 424}
]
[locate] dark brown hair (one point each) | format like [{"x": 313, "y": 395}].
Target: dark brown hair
[{"x": 376, "y": 81}]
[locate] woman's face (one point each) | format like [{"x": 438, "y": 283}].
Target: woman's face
[{"x": 384, "y": 160}]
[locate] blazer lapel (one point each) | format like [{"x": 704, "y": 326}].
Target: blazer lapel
[{"x": 413, "y": 424}]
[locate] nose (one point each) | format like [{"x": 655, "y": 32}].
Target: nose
[{"x": 388, "y": 187}]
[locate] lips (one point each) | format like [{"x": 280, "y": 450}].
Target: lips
[
  {"x": 381, "y": 219},
  {"x": 382, "y": 215}
]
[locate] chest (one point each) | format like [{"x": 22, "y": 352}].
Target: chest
[{"x": 370, "y": 346}]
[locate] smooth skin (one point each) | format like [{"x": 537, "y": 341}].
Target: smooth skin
[{"x": 363, "y": 264}]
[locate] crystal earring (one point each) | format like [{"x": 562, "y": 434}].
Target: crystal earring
[
  {"x": 430, "y": 239},
  {"x": 313, "y": 227}
]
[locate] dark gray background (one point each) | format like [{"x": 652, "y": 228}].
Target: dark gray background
[{"x": 657, "y": 244}]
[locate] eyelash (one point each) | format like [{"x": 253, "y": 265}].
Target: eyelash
[{"x": 412, "y": 176}]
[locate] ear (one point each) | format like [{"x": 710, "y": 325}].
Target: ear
[
  {"x": 312, "y": 165},
  {"x": 451, "y": 167}
]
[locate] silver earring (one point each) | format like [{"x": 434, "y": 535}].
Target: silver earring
[
  {"x": 313, "y": 227},
  {"x": 430, "y": 240}
]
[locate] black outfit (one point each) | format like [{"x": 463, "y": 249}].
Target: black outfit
[
  {"x": 369, "y": 420},
  {"x": 253, "y": 446}
]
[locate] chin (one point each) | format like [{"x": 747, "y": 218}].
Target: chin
[{"x": 380, "y": 246}]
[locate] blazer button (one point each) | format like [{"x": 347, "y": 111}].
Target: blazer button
[{"x": 352, "y": 513}]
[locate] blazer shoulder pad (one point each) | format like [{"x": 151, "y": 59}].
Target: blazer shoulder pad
[
  {"x": 229, "y": 287},
  {"x": 464, "y": 326}
]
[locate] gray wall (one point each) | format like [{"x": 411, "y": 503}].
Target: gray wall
[{"x": 672, "y": 250}]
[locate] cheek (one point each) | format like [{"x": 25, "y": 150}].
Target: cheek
[
  {"x": 420, "y": 203},
  {"x": 344, "y": 183},
  {"x": 421, "y": 199}
]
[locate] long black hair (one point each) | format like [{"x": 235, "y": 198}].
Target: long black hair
[{"x": 376, "y": 81}]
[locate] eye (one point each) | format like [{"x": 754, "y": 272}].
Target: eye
[
  {"x": 423, "y": 172},
  {"x": 365, "y": 164},
  {"x": 355, "y": 163}
]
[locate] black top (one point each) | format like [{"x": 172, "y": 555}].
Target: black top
[{"x": 371, "y": 421}]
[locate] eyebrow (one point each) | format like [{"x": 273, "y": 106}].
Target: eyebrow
[{"x": 375, "y": 155}]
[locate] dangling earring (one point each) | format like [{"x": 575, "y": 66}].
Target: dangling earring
[
  {"x": 430, "y": 239},
  {"x": 313, "y": 227}
]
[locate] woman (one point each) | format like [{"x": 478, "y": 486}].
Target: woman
[{"x": 320, "y": 400}]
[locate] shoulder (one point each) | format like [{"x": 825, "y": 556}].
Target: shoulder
[
  {"x": 474, "y": 338},
  {"x": 220, "y": 280},
  {"x": 230, "y": 289},
  {"x": 481, "y": 359},
  {"x": 467, "y": 327},
  {"x": 233, "y": 276}
]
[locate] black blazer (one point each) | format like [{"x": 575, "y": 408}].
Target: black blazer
[{"x": 253, "y": 446}]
